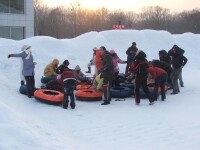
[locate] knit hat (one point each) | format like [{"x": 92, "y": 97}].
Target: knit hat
[
  {"x": 134, "y": 43},
  {"x": 103, "y": 48},
  {"x": 66, "y": 63},
  {"x": 162, "y": 52},
  {"x": 112, "y": 51}
]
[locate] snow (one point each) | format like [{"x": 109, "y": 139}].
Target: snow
[{"x": 28, "y": 124}]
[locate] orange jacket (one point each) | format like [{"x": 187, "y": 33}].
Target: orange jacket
[
  {"x": 156, "y": 72},
  {"x": 98, "y": 62}
]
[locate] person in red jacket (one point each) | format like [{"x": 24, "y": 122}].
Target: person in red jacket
[
  {"x": 68, "y": 81},
  {"x": 160, "y": 77}
]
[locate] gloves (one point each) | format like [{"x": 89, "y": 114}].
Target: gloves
[{"x": 10, "y": 55}]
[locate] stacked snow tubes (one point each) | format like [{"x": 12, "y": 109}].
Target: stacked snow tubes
[
  {"x": 129, "y": 85},
  {"x": 45, "y": 80},
  {"x": 88, "y": 95},
  {"x": 23, "y": 89},
  {"x": 120, "y": 92},
  {"x": 49, "y": 96}
]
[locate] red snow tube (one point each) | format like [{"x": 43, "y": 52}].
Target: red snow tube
[
  {"x": 49, "y": 96},
  {"x": 84, "y": 86},
  {"x": 88, "y": 95}
]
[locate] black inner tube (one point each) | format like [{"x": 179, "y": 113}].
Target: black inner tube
[{"x": 50, "y": 93}]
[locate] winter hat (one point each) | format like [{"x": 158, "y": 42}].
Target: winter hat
[
  {"x": 27, "y": 50},
  {"x": 66, "y": 63},
  {"x": 140, "y": 55},
  {"x": 77, "y": 68},
  {"x": 103, "y": 48},
  {"x": 162, "y": 52},
  {"x": 134, "y": 43},
  {"x": 175, "y": 47},
  {"x": 112, "y": 51}
]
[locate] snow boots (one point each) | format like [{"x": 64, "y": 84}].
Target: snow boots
[{"x": 106, "y": 92}]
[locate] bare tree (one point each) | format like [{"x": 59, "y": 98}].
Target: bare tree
[{"x": 155, "y": 17}]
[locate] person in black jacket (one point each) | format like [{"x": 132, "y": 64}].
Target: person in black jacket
[
  {"x": 131, "y": 51},
  {"x": 178, "y": 62},
  {"x": 166, "y": 59},
  {"x": 64, "y": 65},
  {"x": 107, "y": 72},
  {"x": 140, "y": 69}
]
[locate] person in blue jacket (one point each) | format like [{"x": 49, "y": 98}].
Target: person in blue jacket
[{"x": 28, "y": 68}]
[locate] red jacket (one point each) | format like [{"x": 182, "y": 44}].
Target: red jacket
[
  {"x": 156, "y": 72},
  {"x": 67, "y": 73}
]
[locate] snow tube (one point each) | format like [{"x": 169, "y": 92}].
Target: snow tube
[
  {"x": 23, "y": 90},
  {"x": 129, "y": 85},
  {"x": 120, "y": 92},
  {"x": 88, "y": 95},
  {"x": 84, "y": 86},
  {"x": 45, "y": 80},
  {"x": 49, "y": 96}
]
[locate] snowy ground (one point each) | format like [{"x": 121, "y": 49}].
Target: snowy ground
[{"x": 170, "y": 125}]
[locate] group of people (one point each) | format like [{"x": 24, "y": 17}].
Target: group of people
[{"x": 166, "y": 70}]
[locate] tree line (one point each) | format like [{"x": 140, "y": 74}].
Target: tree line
[{"x": 68, "y": 22}]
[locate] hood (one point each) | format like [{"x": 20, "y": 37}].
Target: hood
[
  {"x": 77, "y": 68},
  {"x": 55, "y": 62},
  {"x": 112, "y": 51}
]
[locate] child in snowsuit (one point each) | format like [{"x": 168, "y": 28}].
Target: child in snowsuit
[
  {"x": 116, "y": 60},
  {"x": 28, "y": 68},
  {"x": 92, "y": 61},
  {"x": 140, "y": 70}
]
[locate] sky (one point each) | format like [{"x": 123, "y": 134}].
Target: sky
[
  {"x": 136, "y": 5},
  {"x": 28, "y": 124}
]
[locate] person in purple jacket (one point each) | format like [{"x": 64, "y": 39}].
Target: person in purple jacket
[
  {"x": 28, "y": 68},
  {"x": 116, "y": 60}
]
